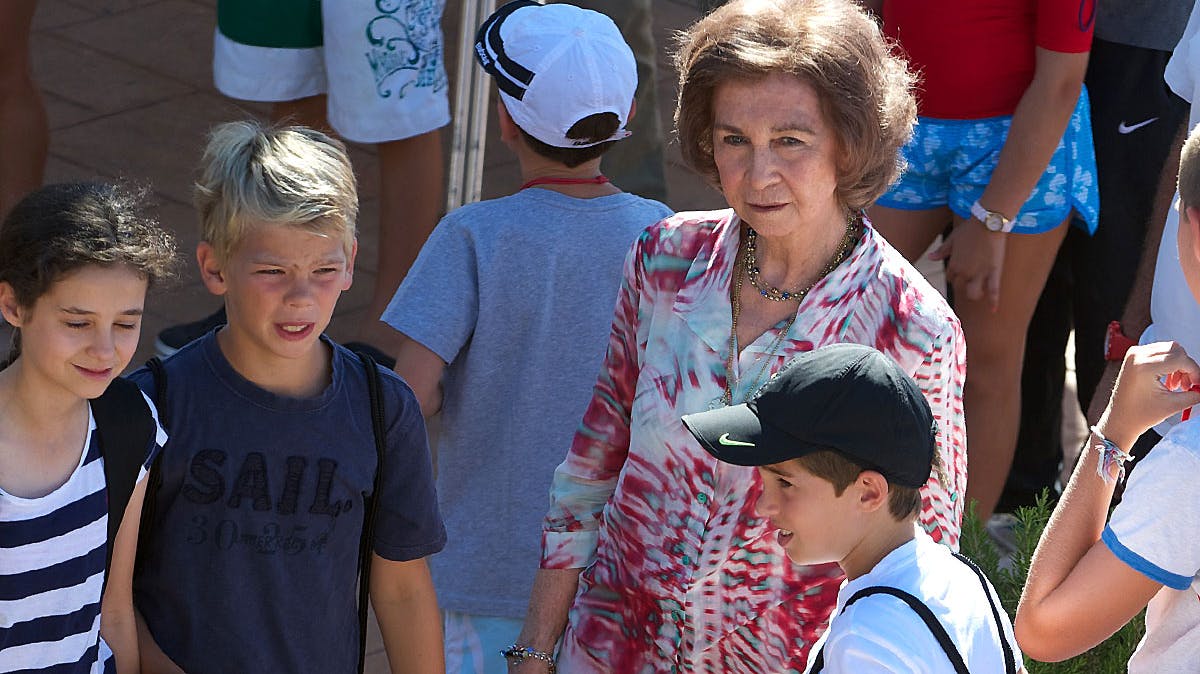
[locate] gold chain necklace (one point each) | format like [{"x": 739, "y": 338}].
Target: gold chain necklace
[
  {"x": 775, "y": 294},
  {"x": 746, "y": 264}
]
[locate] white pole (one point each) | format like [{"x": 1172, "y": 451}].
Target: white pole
[{"x": 465, "y": 180}]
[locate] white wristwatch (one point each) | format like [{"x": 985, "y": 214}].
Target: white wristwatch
[{"x": 994, "y": 221}]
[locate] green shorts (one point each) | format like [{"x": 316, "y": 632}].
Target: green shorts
[
  {"x": 379, "y": 61},
  {"x": 281, "y": 24}
]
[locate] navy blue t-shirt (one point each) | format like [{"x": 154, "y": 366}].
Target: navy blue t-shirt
[{"x": 252, "y": 561}]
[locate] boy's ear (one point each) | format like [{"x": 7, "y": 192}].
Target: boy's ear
[
  {"x": 873, "y": 490},
  {"x": 508, "y": 128},
  {"x": 10, "y": 308},
  {"x": 212, "y": 272}
]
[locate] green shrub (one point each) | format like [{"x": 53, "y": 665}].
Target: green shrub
[{"x": 1111, "y": 656}]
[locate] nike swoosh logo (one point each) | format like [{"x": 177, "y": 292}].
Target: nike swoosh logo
[
  {"x": 1124, "y": 128},
  {"x": 724, "y": 440}
]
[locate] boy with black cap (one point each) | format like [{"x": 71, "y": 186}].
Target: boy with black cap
[
  {"x": 843, "y": 439},
  {"x": 511, "y": 299}
]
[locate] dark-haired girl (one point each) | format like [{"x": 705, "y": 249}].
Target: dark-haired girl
[{"x": 75, "y": 262}]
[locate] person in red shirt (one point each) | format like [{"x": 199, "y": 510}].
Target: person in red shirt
[{"x": 1002, "y": 157}]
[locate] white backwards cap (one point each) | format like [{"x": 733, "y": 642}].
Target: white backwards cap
[{"x": 555, "y": 65}]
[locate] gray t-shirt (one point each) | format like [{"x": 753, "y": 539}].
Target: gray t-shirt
[
  {"x": 516, "y": 295},
  {"x": 1150, "y": 24}
]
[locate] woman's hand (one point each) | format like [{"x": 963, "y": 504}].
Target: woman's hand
[
  {"x": 1156, "y": 381},
  {"x": 974, "y": 260}
]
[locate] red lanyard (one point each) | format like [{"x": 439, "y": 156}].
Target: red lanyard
[{"x": 549, "y": 180}]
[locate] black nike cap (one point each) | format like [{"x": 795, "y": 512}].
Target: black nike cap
[{"x": 847, "y": 398}]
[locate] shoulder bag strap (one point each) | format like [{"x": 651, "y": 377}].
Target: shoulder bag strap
[
  {"x": 126, "y": 429},
  {"x": 370, "y": 505},
  {"x": 1010, "y": 663},
  {"x": 921, "y": 610},
  {"x": 154, "y": 480}
]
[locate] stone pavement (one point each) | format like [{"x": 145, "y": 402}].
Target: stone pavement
[{"x": 128, "y": 89}]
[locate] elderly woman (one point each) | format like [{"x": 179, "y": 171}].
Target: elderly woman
[{"x": 796, "y": 111}]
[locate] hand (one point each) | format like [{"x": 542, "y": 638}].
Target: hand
[
  {"x": 1155, "y": 382},
  {"x": 975, "y": 258}
]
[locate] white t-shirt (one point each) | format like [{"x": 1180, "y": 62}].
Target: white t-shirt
[
  {"x": 1173, "y": 309},
  {"x": 1156, "y": 530},
  {"x": 881, "y": 633}
]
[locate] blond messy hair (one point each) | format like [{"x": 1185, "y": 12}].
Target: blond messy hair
[
  {"x": 253, "y": 174},
  {"x": 832, "y": 45}
]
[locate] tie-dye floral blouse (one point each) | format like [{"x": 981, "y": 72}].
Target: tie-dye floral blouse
[{"x": 681, "y": 575}]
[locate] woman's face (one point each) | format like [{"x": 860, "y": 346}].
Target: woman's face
[{"x": 776, "y": 154}]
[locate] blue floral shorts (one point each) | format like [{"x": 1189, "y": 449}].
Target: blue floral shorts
[{"x": 950, "y": 162}]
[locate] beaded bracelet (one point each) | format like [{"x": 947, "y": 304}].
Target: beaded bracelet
[
  {"x": 520, "y": 653},
  {"x": 1111, "y": 464}
]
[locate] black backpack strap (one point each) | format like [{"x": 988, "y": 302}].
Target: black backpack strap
[
  {"x": 921, "y": 610},
  {"x": 154, "y": 480},
  {"x": 370, "y": 505},
  {"x": 126, "y": 429},
  {"x": 1010, "y": 661}
]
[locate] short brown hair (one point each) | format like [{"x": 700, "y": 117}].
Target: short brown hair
[
  {"x": 864, "y": 89},
  {"x": 838, "y": 470},
  {"x": 1189, "y": 170},
  {"x": 589, "y": 129}
]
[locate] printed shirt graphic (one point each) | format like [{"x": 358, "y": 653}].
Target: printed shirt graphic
[
  {"x": 681, "y": 574},
  {"x": 405, "y": 46},
  {"x": 252, "y": 558},
  {"x": 52, "y": 552}
]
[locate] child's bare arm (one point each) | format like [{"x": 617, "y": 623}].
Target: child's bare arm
[
  {"x": 406, "y": 607},
  {"x": 117, "y": 623},
  {"x": 154, "y": 661},
  {"x": 1078, "y": 592},
  {"x": 422, "y": 370}
]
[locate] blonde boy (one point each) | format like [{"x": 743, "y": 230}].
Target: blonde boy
[
  {"x": 843, "y": 439},
  {"x": 252, "y": 554}
]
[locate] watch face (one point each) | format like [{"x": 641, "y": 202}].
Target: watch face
[{"x": 994, "y": 222}]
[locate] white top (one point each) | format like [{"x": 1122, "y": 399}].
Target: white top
[
  {"x": 1173, "y": 309},
  {"x": 1154, "y": 530},
  {"x": 880, "y": 633}
]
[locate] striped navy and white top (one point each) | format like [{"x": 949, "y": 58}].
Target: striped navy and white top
[{"x": 52, "y": 551}]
